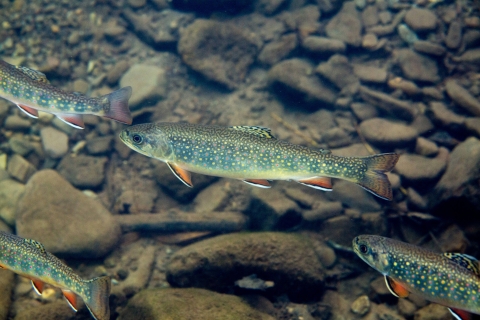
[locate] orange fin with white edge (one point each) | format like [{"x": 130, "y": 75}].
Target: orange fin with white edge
[
  {"x": 33, "y": 113},
  {"x": 37, "y": 286},
  {"x": 460, "y": 314},
  {"x": 182, "y": 174},
  {"x": 258, "y": 183},
  {"x": 73, "y": 120},
  {"x": 397, "y": 289},
  {"x": 320, "y": 183},
  {"x": 71, "y": 299}
]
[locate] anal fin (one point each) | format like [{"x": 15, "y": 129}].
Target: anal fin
[
  {"x": 37, "y": 286},
  {"x": 71, "y": 299},
  {"x": 397, "y": 289},
  {"x": 73, "y": 120},
  {"x": 258, "y": 183},
  {"x": 33, "y": 113},
  {"x": 320, "y": 183},
  {"x": 182, "y": 174},
  {"x": 460, "y": 314}
]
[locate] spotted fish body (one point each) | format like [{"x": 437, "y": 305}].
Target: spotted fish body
[
  {"x": 29, "y": 258},
  {"x": 31, "y": 92},
  {"x": 252, "y": 154},
  {"x": 449, "y": 279}
]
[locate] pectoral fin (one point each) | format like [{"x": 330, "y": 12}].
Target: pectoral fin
[
  {"x": 28, "y": 111},
  {"x": 321, "y": 183},
  {"x": 258, "y": 183},
  {"x": 71, "y": 299},
  {"x": 181, "y": 174},
  {"x": 73, "y": 120},
  {"x": 37, "y": 286},
  {"x": 460, "y": 314},
  {"x": 397, "y": 289}
]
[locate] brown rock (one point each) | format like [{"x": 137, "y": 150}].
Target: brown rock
[
  {"x": 420, "y": 19},
  {"x": 346, "y": 25},
  {"x": 83, "y": 171}
]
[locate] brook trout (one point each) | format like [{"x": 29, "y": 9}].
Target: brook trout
[
  {"x": 253, "y": 155},
  {"x": 29, "y": 258},
  {"x": 450, "y": 279},
  {"x": 30, "y": 91}
]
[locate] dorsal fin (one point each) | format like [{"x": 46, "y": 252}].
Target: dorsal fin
[
  {"x": 37, "y": 245},
  {"x": 466, "y": 261},
  {"x": 34, "y": 74},
  {"x": 255, "y": 130}
]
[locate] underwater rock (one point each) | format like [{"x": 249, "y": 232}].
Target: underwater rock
[
  {"x": 83, "y": 171},
  {"x": 323, "y": 211},
  {"x": 220, "y": 51},
  {"x": 223, "y": 196},
  {"x": 10, "y": 193},
  {"x": 116, "y": 72},
  {"x": 428, "y": 47},
  {"x": 268, "y": 7},
  {"x": 370, "y": 73},
  {"x": 298, "y": 76},
  {"x": 417, "y": 67},
  {"x": 186, "y": 304},
  {"x": 338, "y": 71},
  {"x": 277, "y": 50},
  {"x": 231, "y": 6},
  {"x": 148, "y": 82},
  {"x": 15, "y": 122},
  {"x": 323, "y": 45},
  {"x": 19, "y": 168},
  {"x": 55, "y": 142},
  {"x": 351, "y": 195},
  {"x": 346, "y": 25},
  {"x": 7, "y": 283},
  {"x": 426, "y": 147},
  {"x": 433, "y": 312},
  {"x": 78, "y": 226},
  {"x": 288, "y": 260},
  {"x": 361, "y": 305},
  {"x": 454, "y": 35},
  {"x": 463, "y": 97},
  {"x": 99, "y": 145},
  {"x": 387, "y": 133},
  {"x": 417, "y": 169},
  {"x": 420, "y": 19},
  {"x": 57, "y": 310},
  {"x": 402, "y": 109},
  {"x": 459, "y": 186}
]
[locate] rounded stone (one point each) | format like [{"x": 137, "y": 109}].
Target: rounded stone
[
  {"x": 420, "y": 19},
  {"x": 387, "y": 133}
]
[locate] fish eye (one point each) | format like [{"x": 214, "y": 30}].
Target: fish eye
[
  {"x": 363, "y": 248},
  {"x": 136, "y": 138}
]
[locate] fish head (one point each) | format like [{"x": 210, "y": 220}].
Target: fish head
[
  {"x": 374, "y": 251},
  {"x": 148, "y": 140}
]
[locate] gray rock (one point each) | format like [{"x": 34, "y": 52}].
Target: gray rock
[
  {"x": 323, "y": 45},
  {"x": 338, "y": 71},
  {"x": 417, "y": 67},
  {"x": 270, "y": 209},
  {"x": 297, "y": 75},
  {"x": 401, "y": 109},
  {"x": 79, "y": 226},
  {"x": 220, "y": 5},
  {"x": 57, "y": 310},
  {"x": 7, "y": 282},
  {"x": 346, "y": 25},
  {"x": 433, "y": 312},
  {"x": 353, "y": 196},
  {"x": 277, "y": 50},
  {"x": 416, "y": 169},
  {"x": 473, "y": 125},
  {"x": 15, "y": 122},
  {"x": 364, "y": 111},
  {"x": 454, "y": 35},
  {"x": 218, "y": 50},
  {"x": 441, "y": 115},
  {"x": 428, "y": 47},
  {"x": 459, "y": 183},
  {"x": 469, "y": 56},
  {"x": 171, "y": 303},
  {"x": 268, "y": 7},
  {"x": 223, "y": 196},
  {"x": 289, "y": 260},
  {"x": 462, "y": 97},
  {"x": 99, "y": 145},
  {"x": 10, "y": 193},
  {"x": 149, "y": 83},
  {"x": 383, "y": 132},
  {"x": 420, "y": 19},
  {"x": 54, "y": 142},
  {"x": 361, "y": 305},
  {"x": 370, "y": 73},
  {"x": 426, "y": 147},
  {"x": 370, "y": 16},
  {"x": 323, "y": 211},
  {"x": 19, "y": 168},
  {"x": 83, "y": 171},
  {"x": 117, "y": 71},
  {"x": 406, "y": 308},
  {"x": 20, "y": 145}
]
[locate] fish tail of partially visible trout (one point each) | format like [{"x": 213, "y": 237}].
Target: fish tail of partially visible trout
[
  {"x": 374, "y": 179},
  {"x": 117, "y": 105},
  {"x": 97, "y": 297}
]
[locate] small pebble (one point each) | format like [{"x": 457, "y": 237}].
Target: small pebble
[{"x": 361, "y": 306}]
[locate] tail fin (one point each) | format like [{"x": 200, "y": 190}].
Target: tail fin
[
  {"x": 375, "y": 180},
  {"x": 98, "y": 299},
  {"x": 118, "y": 105}
]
